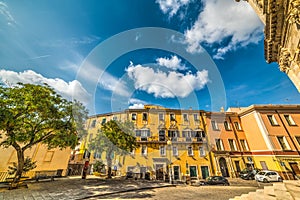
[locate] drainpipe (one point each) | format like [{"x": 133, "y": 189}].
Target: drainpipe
[{"x": 287, "y": 131}]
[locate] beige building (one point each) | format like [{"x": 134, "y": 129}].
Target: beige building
[
  {"x": 49, "y": 162},
  {"x": 229, "y": 147},
  {"x": 273, "y": 135},
  {"x": 282, "y": 34}
]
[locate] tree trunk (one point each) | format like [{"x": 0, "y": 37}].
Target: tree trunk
[
  {"x": 20, "y": 166},
  {"x": 109, "y": 163}
]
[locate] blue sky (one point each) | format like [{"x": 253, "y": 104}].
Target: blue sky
[{"x": 119, "y": 54}]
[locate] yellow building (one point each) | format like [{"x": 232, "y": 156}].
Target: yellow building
[
  {"x": 273, "y": 135},
  {"x": 172, "y": 143}
]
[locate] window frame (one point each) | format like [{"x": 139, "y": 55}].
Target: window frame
[
  {"x": 162, "y": 150},
  {"x": 190, "y": 153},
  {"x": 220, "y": 142},
  {"x": 227, "y": 125},
  {"x": 133, "y": 118},
  {"x": 145, "y": 150},
  {"x": 214, "y": 125},
  {"x": 238, "y": 126},
  {"x": 272, "y": 120},
  {"x": 290, "y": 120},
  {"x": 285, "y": 146},
  {"x": 232, "y": 144},
  {"x": 185, "y": 117},
  {"x": 243, "y": 143}
]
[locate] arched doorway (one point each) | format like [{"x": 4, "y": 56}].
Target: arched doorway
[{"x": 223, "y": 167}]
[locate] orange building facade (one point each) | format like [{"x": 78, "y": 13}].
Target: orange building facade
[{"x": 273, "y": 134}]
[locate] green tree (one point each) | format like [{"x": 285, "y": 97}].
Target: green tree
[
  {"x": 114, "y": 138},
  {"x": 32, "y": 114}
]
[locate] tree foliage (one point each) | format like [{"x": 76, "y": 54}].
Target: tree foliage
[
  {"x": 114, "y": 137},
  {"x": 32, "y": 114}
]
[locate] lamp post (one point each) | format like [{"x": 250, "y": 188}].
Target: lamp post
[{"x": 169, "y": 143}]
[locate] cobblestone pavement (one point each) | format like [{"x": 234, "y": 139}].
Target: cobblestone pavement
[{"x": 95, "y": 188}]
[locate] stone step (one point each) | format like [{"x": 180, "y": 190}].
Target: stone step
[{"x": 294, "y": 188}]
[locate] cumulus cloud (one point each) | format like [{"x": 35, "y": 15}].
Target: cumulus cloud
[
  {"x": 227, "y": 24},
  {"x": 68, "y": 90},
  {"x": 173, "y": 63},
  {"x": 171, "y": 6},
  {"x": 136, "y": 103},
  {"x": 166, "y": 84}
]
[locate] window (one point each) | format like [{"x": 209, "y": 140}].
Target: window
[
  {"x": 145, "y": 133},
  {"x": 232, "y": 144},
  {"x": 201, "y": 151},
  {"x": 244, "y": 145},
  {"x": 190, "y": 151},
  {"x": 219, "y": 145},
  {"x": 173, "y": 134},
  {"x": 196, "y": 117},
  {"x": 298, "y": 139},
  {"x": 289, "y": 120},
  {"x": 161, "y": 117},
  {"x": 162, "y": 135},
  {"x": 93, "y": 124},
  {"x": 145, "y": 116},
  {"x": 144, "y": 150},
  {"x": 227, "y": 126},
  {"x": 237, "y": 126},
  {"x": 48, "y": 156},
  {"x": 172, "y": 117},
  {"x": 214, "y": 125},
  {"x": 175, "y": 151},
  {"x": 272, "y": 120},
  {"x": 132, "y": 152},
  {"x": 138, "y": 133},
  {"x": 162, "y": 150},
  {"x": 103, "y": 121},
  {"x": 263, "y": 165},
  {"x": 185, "y": 117},
  {"x": 283, "y": 143},
  {"x": 133, "y": 116},
  {"x": 115, "y": 118},
  {"x": 187, "y": 134}
]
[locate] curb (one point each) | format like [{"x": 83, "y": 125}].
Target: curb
[{"x": 124, "y": 191}]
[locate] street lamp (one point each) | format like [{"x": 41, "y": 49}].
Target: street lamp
[{"x": 169, "y": 143}]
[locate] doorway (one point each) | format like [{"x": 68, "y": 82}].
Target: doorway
[
  {"x": 159, "y": 171},
  {"x": 295, "y": 169},
  {"x": 204, "y": 172},
  {"x": 193, "y": 171},
  {"x": 223, "y": 167},
  {"x": 176, "y": 173}
]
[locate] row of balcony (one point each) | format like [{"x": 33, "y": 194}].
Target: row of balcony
[{"x": 162, "y": 139}]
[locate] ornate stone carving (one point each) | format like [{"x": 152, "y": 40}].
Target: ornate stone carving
[
  {"x": 284, "y": 60},
  {"x": 294, "y": 15}
]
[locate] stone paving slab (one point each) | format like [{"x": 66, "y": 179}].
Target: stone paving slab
[{"x": 77, "y": 188}]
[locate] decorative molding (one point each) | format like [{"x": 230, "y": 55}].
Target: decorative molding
[
  {"x": 284, "y": 60},
  {"x": 294, "y": 14}
]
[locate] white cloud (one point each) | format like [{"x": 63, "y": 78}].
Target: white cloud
[
  {"x": 136, "y": 103},
  {"x": 137, "y": 106},
  {"x": 173, "y": 63},
  {"x": 166, "y": 85},
  {"x": 69, "y": 90},
  {"x": 103, "y": 79},
  {"x": 4, "y": 11},
  {"x": 228, "y": 22},
  {"x": 171, "y": 6}
]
